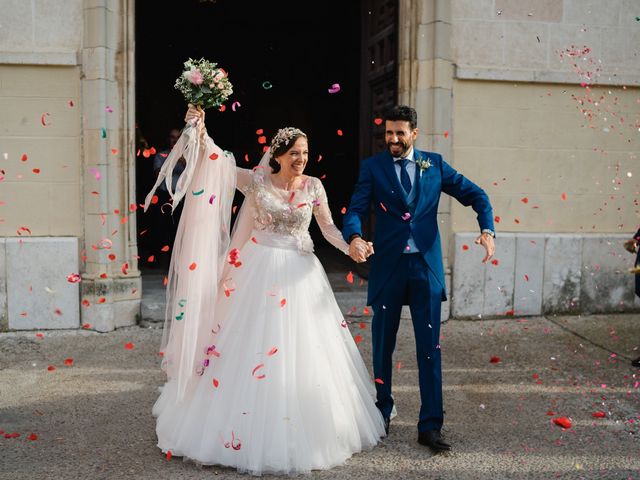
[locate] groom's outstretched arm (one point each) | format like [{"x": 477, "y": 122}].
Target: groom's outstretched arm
[
  {"x": 468, "y": 194},
  {"x": 359, "y": 205}
]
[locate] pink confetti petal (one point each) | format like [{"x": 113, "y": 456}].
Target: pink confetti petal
[
  {"x": 256, "y": 368},
  {"x": 335, "y": 88}
]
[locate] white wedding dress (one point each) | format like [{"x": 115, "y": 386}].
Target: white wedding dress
[{"x": 283, "y": 388}]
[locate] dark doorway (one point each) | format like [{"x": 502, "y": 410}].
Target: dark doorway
[{"x": 281, "y": 60}]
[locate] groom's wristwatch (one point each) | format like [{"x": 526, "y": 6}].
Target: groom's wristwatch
[
  {"x": 489, "y": 231},
  {"x": 354, "y": 235}
]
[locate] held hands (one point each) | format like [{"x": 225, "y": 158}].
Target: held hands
[
  {"x": 360, "y": 250},
  {"x": 486, "y": 240}
]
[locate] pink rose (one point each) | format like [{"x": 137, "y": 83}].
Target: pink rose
[{"x": 196, "y": 77}]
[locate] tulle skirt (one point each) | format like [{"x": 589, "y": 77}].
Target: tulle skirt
[{"x": 286, "y": 390}]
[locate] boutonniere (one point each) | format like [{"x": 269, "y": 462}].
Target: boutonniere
[{"x": 423, "y": 164}]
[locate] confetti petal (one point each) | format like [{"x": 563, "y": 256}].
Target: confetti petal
[
  {"x": 563, "y": 422},
  {"x": 129, "y": 346},
  {"x": 74, "y": 278},
  {"x": 258, "y": 367},
  {"x": 335, "y": 88},
  {"x": 350, "y": 277}
]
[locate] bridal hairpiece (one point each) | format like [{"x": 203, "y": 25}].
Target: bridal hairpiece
[{"x": 285, "y": 135}]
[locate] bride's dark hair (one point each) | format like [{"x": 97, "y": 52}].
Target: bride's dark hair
[{"x": 282, "y": 148}]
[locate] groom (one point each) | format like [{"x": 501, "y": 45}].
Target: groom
[{"x": 405, "y": 184}]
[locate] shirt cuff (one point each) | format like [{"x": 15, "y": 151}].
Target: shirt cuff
[{"x": 489, "y": 231}]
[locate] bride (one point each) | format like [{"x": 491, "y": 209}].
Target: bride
[{"x": 262, "y": 372}]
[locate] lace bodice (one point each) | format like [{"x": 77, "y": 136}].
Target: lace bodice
[{"x": 289, "y": 212}]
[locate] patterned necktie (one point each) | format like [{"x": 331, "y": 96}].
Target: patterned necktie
[{"x": 404, "y": 175}]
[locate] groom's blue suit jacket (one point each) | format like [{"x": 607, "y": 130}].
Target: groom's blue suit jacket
[{"x": 378, "y": 183}]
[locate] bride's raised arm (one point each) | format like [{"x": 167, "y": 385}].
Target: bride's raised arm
[{"x": 195, "y": 116}]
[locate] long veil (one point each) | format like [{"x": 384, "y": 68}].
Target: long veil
[{"x": 198, "y": 269}]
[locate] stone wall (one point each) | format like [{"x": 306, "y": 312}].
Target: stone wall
[
  {"x": 535, "y": 274},
  {"x": 521, "y": 40}
]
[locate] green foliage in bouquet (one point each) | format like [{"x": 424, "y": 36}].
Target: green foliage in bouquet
[{"x": 203, "y": 83}]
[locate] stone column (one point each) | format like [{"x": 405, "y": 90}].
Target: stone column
[
  {"x": 425, "y": 83},
  {"x": 111, "y": 283}
]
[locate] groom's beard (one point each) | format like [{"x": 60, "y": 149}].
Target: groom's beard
[{"x": 404, "y": 149}]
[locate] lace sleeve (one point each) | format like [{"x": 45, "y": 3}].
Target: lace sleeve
[
  {"x": 244, "y": 179},
  {"x": 323, "y": 216}
]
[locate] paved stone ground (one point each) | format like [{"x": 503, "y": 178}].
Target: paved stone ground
[{"x": 93, "y": 418}]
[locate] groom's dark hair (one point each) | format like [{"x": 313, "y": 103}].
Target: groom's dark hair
[{"x": 402, "y": 113}]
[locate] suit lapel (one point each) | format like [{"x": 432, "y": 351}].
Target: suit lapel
[{"x": 390, "y": 171}]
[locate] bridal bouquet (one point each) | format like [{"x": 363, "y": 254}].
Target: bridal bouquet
[{"x": 203, "y": 83}]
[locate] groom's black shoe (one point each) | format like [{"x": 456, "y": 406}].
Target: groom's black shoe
[
  {"x": 387, "y": 421},
  {"x": 433, "y": 439}
]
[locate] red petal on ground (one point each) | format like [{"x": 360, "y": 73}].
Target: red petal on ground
[
  {"x": 495, "y": 359},
  {"x": 129, "y": 346},
  {"x": 563, "y": 422}
]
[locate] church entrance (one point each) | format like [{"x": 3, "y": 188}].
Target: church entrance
[{"x": 329, "y": 73}]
